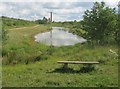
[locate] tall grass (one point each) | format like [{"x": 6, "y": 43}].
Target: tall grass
[
  {"x": 21, "y": 47},
  {"x": 47, "y": 73}
]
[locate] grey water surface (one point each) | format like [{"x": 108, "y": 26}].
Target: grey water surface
[{"x": 59, "y": 37}]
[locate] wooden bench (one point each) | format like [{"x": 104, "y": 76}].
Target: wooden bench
[{"x": 77, "y": 62}]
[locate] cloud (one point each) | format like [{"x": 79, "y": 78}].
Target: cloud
[
  {"x": 3, "y": 7},
  {"x": 58, "y": 1},
  {"x": 34, "y": 9},
  {"x": 112, "y": 3},
  {"x": 25, "y": 11}
]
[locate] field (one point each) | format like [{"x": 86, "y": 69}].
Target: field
[{"x": 27, "y": 63}]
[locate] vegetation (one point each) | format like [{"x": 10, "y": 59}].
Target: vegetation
[
  {"x": 4, "y": 35},
  {"x": 52, "y": 75},
  {"x": 21, "y": 47},
  {"x": 118, "y": 25},
  {"x": 43, "y": 21},
  {"x": 100, "y": 23},
  {"x": 27, "y": 63},
  {"x": 15, "y": 23}
]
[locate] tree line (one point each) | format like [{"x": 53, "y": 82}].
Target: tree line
[{"x": 43, "y": 21}]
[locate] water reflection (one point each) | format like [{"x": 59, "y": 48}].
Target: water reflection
[{"x": 58, "y": 37}]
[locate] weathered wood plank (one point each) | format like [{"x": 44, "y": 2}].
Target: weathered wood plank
[{"x": 77, "y": 62}]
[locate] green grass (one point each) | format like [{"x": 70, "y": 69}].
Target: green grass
[
  {"x": 27, "y": 63},
  {"x": 45, "y": 73},
  {"x": 21, "y": 47}
]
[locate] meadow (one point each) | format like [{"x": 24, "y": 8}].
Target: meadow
[
  {"x": 27, "y": 63},
  {"x": 47, "y": 73}
]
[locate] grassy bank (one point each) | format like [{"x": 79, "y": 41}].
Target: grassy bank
[
  {"x": 21, "y": 47},
  {"x": 27, "y": 63}
]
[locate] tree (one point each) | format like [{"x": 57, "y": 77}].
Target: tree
[
  {"x": 100, "y": 23},
  {"x": 118, "y": 30},
  {"x": 43, "y": 21}
]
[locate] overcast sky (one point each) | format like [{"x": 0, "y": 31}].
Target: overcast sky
[{"x": 37, "y": 9}]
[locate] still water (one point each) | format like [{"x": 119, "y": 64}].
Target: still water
[{"x": 58, "y": 37}]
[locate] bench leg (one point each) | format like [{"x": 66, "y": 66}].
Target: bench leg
[
  {"x": 87, "y": 68},
  {"x": 89, "y": 65},
  {"x": 65, "y": 66}
]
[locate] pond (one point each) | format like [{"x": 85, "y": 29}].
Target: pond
[{"x": 58, "y": 37}]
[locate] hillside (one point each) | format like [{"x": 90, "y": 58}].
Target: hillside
[{"x": 15, "y": 23}]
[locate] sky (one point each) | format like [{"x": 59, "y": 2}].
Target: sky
[{"x": 63, "y": 10}]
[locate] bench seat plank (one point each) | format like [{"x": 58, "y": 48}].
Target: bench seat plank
[{"x": 77, "y": 62}]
